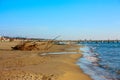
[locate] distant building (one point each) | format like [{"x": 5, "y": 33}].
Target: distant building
[{"x": 4, "y": 39}]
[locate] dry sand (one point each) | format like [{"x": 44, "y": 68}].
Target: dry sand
[{"x": 31, "y": 65}]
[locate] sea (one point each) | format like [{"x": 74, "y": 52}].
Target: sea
[{"x": 101, "y": 61}]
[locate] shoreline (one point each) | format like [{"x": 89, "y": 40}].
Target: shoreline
[
  {"x": 74, "y": 72},
  {"x": 94, "y": 58},
  {"x": 41, "y": 67}
]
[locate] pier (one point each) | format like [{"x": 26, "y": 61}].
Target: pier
[{"x": 88, "y": 41}]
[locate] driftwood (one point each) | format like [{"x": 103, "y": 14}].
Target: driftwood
[
  {"x": 31, "y": 45},
  {"x": 50, "y": 43}
]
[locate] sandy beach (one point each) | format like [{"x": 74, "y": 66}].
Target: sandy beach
[{"x": 39, "y": 65}]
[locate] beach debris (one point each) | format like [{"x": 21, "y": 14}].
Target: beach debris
[
  {"x": 49, "y": 43},
  {"x": 35, "y": 45},
  {"x": 27, "y": 46},
  {"x": 31, "y": 45}
]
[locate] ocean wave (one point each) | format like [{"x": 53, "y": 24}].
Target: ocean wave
[{"x": 90, "y": 64}]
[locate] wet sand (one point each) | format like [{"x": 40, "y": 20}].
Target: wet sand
[{"x": 32, "y": 65}]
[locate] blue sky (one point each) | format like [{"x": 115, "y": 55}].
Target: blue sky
[{"x": 72, "y": 19}]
